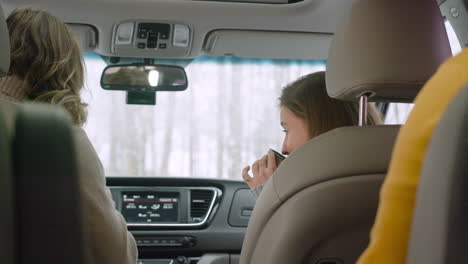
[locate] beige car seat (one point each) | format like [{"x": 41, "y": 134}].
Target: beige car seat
[{"x": 320, "y": 204}]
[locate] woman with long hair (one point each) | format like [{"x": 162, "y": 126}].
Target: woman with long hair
[{"x": 306, "y": 111}]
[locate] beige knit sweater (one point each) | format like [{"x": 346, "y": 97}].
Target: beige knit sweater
[
  {"x": 12, "y": 89},
  {"x": 107, "y": 238}
]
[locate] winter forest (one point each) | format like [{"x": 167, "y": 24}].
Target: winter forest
[{"x": 225, "y": 120}]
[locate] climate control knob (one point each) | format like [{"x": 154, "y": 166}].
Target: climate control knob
[{"x": 181, "y": 260}]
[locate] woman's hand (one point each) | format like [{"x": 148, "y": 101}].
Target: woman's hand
[{"x": 262, "y": 169}]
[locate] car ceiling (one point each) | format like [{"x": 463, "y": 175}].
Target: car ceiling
[{"x": 314, "y": 19}]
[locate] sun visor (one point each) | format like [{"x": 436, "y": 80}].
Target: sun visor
[
  {"x": 387, "y": 49},
  {"x": 85, "y": 35},
  {"x": 267, "y": 44}
]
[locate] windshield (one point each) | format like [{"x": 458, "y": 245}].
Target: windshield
[{"x": 226, "y": 119}]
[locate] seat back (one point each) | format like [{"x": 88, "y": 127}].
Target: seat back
[
  {"x": 439, "y": 233},
  {"x": 46, "y": 187},
  {"x": 39, "y": 197},
  {"x": 7, "y": 219},
  {"x": 319, "y": 205}
]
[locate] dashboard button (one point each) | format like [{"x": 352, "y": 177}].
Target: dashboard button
[
  {"x": 181, "y": 260},
  {"x": 142, "y": 34},
  {"x": 152, "y": 45}
]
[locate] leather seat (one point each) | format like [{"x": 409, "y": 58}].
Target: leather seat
[
  {"x": 320, "y": 203},
  {"x": 439, "y": 233},
  {"x": 7, "y": 240},
  {"x": 46, "y": 197},
  {"x": 319, "y": 206},
  {"x": 39, "y": 196},
  {"x": 7, "y": 220}
]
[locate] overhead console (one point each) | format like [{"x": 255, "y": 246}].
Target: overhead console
[{"x": 151, "y": 39}]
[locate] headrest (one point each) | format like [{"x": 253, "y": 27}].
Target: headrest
[
  {"x": 386, "y": 48},
  {"x": 4, "y": 45}
]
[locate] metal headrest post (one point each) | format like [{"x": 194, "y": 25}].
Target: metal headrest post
[{"x": 363, "y": 110}]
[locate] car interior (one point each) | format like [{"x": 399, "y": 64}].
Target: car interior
[
  {"x": 320, "y": 204},
  {"x": 313, "y": 181}
]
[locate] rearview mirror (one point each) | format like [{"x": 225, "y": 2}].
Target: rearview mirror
[{"x": 144, "y": 78}]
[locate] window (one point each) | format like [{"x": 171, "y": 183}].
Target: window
[
  {"x": 397, "y": 113},
  {"x": 453, "y": 39},
  {"x": 225, "y": 120}
]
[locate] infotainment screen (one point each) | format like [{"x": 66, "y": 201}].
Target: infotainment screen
[{"x": 150, "y": 207}]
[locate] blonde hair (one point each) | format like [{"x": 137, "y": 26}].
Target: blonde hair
[
  {"x": 307, "y": 98},
  {"x": 47, "y": 57}
]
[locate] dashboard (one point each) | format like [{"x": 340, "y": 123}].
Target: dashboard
[{"x": 184, "y": 220}]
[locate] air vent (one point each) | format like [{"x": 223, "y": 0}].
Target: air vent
[{"x": 200, "y": 201}]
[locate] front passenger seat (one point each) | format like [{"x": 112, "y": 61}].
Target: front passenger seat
[{"x": 319, "y": 206}]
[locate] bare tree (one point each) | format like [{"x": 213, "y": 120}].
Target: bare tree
[
  {"x": 235, "y": 120},
  {"x": 193, "y": 137},
  {"x": 223, "y": 81},
  {"x": 115, "y": 143},
  {"x": 167, "y": 147}
]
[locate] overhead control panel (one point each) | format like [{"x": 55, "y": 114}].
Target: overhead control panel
[{"x": 150, "y": 39}]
